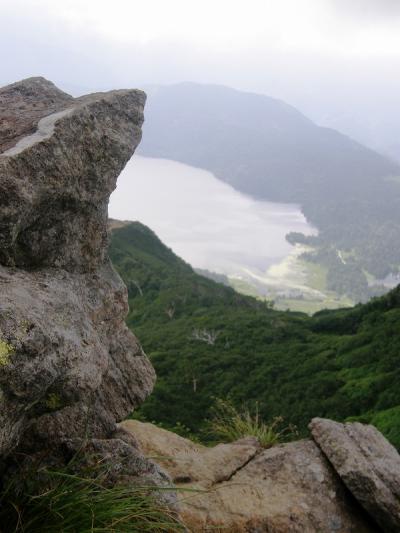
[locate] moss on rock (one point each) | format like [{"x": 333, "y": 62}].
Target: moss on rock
[{"x": 6, "y": 350}]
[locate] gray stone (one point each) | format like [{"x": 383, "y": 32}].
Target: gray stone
[
  {"x": 55, "y": 183},
  {"x": 367, "y": 463},
  {"x": 240, "y": 487},
  {"x": 69, "y": 366},
  {"x": 23, "y": 104}
]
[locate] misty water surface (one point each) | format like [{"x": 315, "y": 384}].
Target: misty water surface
[{"x": 203, "y": 220}]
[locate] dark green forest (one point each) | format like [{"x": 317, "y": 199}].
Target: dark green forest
[
  {"x": 269, "y": 150},
  {"x": 205, "y": 341}
]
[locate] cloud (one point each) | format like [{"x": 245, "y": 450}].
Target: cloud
[
  {"x": 320, "y": 55},
  {"x": 225, "y": 27},
  {"x": 367, "y": 9}
]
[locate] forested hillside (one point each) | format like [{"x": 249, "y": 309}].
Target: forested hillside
[
  {"x": 269, "y": 150},
  {"x": 206, "y": 341}
]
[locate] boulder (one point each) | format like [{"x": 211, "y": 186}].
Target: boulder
[
  {"x": 368, "y": 465},
  {"x": 240, "y": 487},
  {"x": 69, "y": 366},
  {"x": 55, "y": 183}
]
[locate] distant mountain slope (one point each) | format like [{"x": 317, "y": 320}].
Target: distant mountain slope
[
  {"x": 268, "y": 149},
  {"x": 206, "y": 340},
  {"x": 258, "y": 144}
]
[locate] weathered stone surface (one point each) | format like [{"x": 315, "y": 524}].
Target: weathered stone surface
[
  {"x": 55, "y": 184},
  {"x": 188, "y": 462},
  {"x": 290, "y": 488},
  {"x": 367, "y": 463},
  {"x": 69, "y": 366},
  {"x": 22, "y": 105},
  {"x": 72, "y": 356}
]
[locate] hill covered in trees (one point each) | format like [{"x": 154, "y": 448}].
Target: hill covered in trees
[
  {"x": 205, "y": 341},
  {"x": 268, "y": 149}
]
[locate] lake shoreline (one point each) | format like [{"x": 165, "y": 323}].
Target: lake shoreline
[{"x": 214, "y": 227}]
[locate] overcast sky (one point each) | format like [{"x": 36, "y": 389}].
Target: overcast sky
[{"x": 336, "y": 60}]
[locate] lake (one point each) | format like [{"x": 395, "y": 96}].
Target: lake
[{"x": 207, "y": 222}]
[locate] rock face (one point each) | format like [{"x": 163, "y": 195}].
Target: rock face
[
  {"x": 22, "y": 105},
  {"x": 69, "y": 366},
  {"x": 240, "y": 487},
  {"x": 368, "y": 465},
  {"x": 55, "y": 183}
]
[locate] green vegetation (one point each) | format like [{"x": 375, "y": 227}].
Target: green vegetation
[
  {"x": 6, "y": 350},
  {"x": 206, "y": 341},
  {"x": 310, "y": 307},
  {"x": 229, "y": 424},
  {"x": 348, "y": 272},
  {"x": 53, "y": 401},
  {"x": 61, "y": 501},
  {"x": 310, "y": 303},
  {"x": 244, "y": 287}
]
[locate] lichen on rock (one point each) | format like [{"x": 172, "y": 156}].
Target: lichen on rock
[{"x": 6, "y": 350}]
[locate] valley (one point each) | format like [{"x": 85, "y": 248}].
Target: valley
[
  {"x": 200, "y": 336},
  {"x": 270, "y": 151},
  {"x": 217, "y": 228}
]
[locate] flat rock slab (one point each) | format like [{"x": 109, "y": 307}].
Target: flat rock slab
[
  {"x": 367, "y": 463},
  {"x": 187, "y": 461},
  {"x": 240, "y": 487}
]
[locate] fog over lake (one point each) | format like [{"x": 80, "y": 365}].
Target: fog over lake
[{"x": 203, "y": 220}]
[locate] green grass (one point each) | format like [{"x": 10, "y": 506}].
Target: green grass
[
  {"x": 230, "y": 424},
  {"x": 311, "y": 306},
  {"x": 316, "y": 279},
  {"x": 62, "y": 502}
]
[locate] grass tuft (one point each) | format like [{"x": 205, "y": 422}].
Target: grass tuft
[
  {"x": 229, "y": 424},
  {"x": 69, "y": 503}
]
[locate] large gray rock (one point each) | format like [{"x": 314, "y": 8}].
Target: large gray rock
[
  {"x": 55, "y": 183},
  {"x": 367, "y": 463},
  {"x": 239, "y": 487},
  {"x": 69, "y": 367}
]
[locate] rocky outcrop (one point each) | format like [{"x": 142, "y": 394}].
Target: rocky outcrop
[
  {"x": 69, "y": 367},
  {"x": 55, "y": 183},
  {"x": 239, "y": 487},
  {"x": 368, "y": 465}
]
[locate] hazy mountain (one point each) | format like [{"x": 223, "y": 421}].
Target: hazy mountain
[
  {"x": 260, "y": 145},
  {"x": 268, "y": 149},
  {"x": 377, "y": 128}
]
